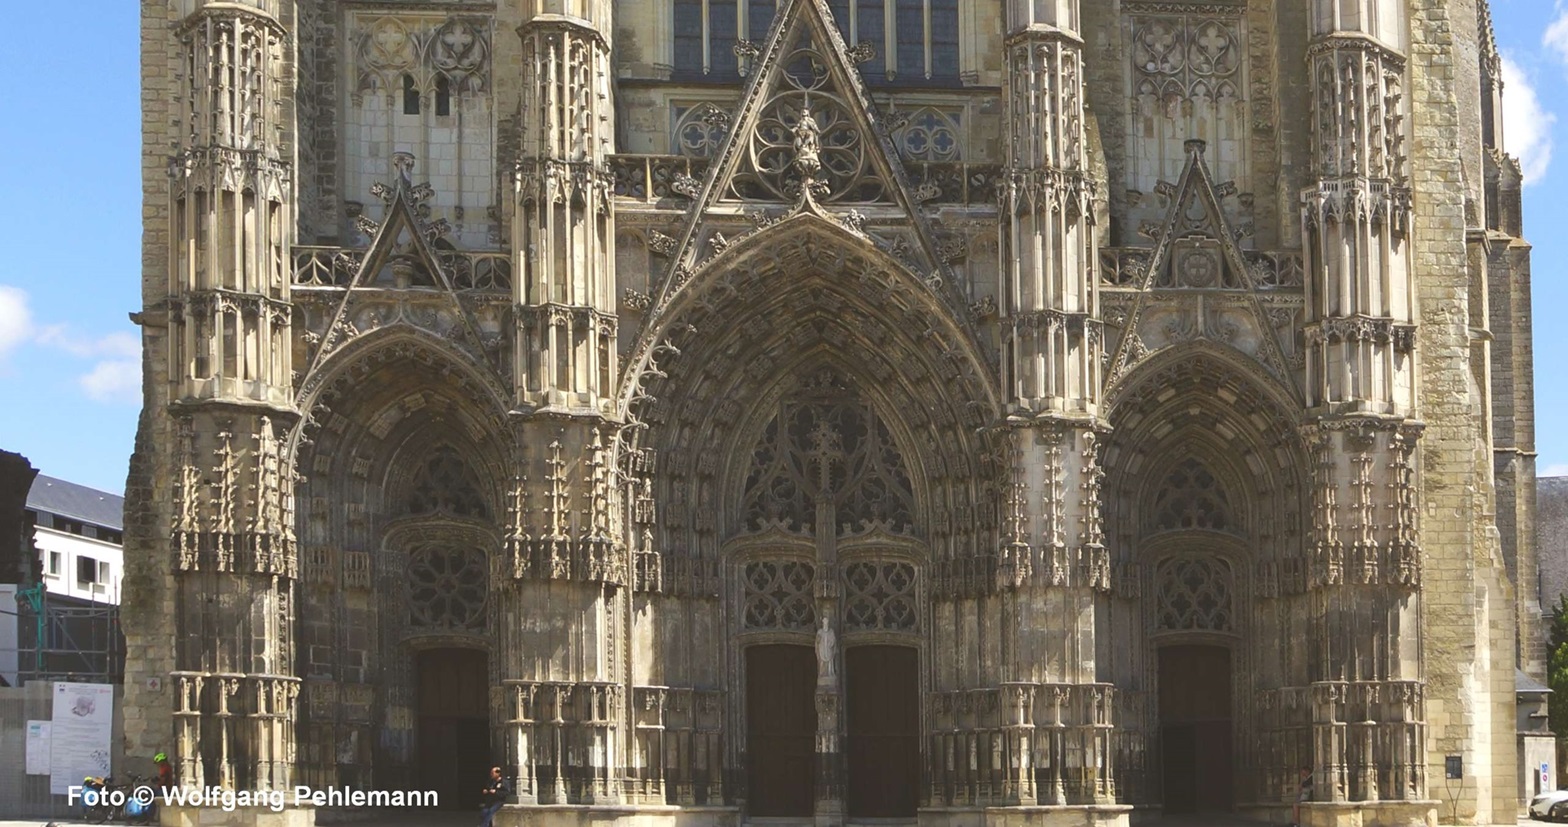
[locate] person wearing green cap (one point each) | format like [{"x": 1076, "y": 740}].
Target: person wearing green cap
[{"x": 165, "y": 772}]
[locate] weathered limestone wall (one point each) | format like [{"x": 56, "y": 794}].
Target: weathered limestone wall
[
  {"x": 1468, "y": 599},
  {"x": 147, "y": 607},
  {"x": 1551, "y": 538}
]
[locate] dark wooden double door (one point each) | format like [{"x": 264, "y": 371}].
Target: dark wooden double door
[
  {"x": 454, "y": 725},
  {"x": 1195, "y": 729},
  {"x": 881, "y": 706}
]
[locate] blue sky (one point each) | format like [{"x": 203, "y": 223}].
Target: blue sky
[{"x": 69, "y": 145}]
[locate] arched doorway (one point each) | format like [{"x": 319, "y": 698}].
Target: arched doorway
[
  {"x": 1195, "y": 729},
  {"x": 827, "y": 511},
  {"x": 454, "y": 724}
]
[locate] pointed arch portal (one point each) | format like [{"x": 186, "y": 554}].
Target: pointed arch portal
[{"x": 826, "y": 540}]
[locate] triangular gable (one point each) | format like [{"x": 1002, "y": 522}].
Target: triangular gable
[
  {"x": 804, "y": 68},
  {"x": 401, "y": 255},
  {"x": 1196, "y": 249}
]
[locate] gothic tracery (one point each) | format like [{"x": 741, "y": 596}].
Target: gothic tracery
[{"x": 1028, "y": 351}]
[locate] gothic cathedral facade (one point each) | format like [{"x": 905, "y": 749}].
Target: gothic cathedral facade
[{"x": 963, "y": 411}]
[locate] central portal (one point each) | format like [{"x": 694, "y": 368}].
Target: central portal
[
  {"x": 881, "y": 686},
  {"x": 1195, "y": 723}
]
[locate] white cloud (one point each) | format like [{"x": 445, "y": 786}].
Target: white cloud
[
  {"x": 1527, "y": 126},
  {"x": 123, "y": 345},
  {"x": 115, "y": 375},
  {"x": 1555, "y": 38},
  {"x": 114, "y": 381},
  {"x": 1559, "y": 470},
  {"x": 16, "y": 321}
]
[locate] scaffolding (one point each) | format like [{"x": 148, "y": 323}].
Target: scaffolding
[{"x": 66, "y": 639}]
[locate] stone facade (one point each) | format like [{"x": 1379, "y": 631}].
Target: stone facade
[{"x": 1115, "y": 387}]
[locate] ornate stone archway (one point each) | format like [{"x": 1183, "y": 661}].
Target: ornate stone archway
[
  {"x": 1205, "y": 502},
  {"x": 404, "y": 462}
]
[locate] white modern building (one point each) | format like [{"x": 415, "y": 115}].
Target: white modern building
[{"x": 78, "y": 533}]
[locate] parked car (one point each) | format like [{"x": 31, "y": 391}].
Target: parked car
[{"x": 1552, "y": 806}]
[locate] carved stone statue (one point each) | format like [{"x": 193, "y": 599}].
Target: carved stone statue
[
  {"x": 808, "y": 144},
  {"x": 826, "y": 640}
]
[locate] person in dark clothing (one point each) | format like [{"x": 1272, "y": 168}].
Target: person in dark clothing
[{"x": 495, "y": 796}]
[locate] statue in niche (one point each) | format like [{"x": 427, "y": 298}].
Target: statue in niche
[
  {"x": 808, "y": 144},
  {"x": 826, "y": 640}
]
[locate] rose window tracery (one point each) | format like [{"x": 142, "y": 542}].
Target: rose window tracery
[
  {"x": 446, "y": 485},
  {"x": 1192, "y": 498},
  {"x": 827, "y": 453},
  {"x": 447, "y": 588},
  {"x": 806, "y": 94},
  {"x": 879, "y": 596},
  {"x": 1195, "y": 595},
  {"x": 778, "y": 595}
]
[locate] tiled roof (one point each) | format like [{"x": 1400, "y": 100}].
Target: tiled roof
[{"x": 78, "y": 502}]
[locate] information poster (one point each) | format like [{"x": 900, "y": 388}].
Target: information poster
[
  {"x": 37, "y": 747},
  {"x": 81, "y": 732}
]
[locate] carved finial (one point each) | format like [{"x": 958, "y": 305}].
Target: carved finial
[
  {"x": 1196, "y": 146},
  {"x": 746, "y": 51},
  {"x": 403, "y": 162},
  {"x": 716, "y": 118}
]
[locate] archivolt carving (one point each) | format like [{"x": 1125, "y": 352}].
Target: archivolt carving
[
  {"x": 837, "y": 451},
  {"x": 1194, "y": 594},
  {"x": 778, "y": 595},
  {"x": 880, "y": 596},
  {"x": 447, "y": 587}
]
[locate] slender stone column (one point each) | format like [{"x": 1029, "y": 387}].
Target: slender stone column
[
  {"x": 1053, "y": 561},
  {"x": 563, "y": 608},
  {"x": 230, "y": 542},
  {"x": 1364, "y": 568}
]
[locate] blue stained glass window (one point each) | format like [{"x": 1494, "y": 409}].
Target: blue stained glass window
[
  {"x": 723, "y": 17},
  {"x": 759, "y": 16},
  {"x": 944, "y": 39},
  {"x": 688, "y": 37},
  {"x": 870, "y": 18},
  {"x": 911, "y": 20},
  {"x": 840, "y": 9},
  {"x": 872, "y": 23}
]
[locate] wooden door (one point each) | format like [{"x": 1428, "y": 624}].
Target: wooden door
[
  {"x": 882, "y": 718},
  {"x": 454, "y": 725},
  {"x": 1195, "y": 729},
  {"x": 781, "y": 729}
]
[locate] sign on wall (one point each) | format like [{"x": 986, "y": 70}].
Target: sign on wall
[
  {"x": 38, "y": 747},
  {"x": 81, "y": 733}
]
